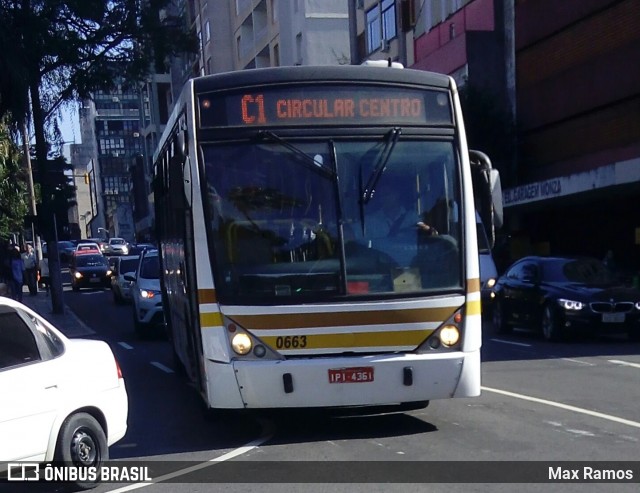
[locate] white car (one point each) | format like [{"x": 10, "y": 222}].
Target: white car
[
  {"x": 148, "y": 316},
  {"x": 62, "y": 399},
  {"x": 120, "y": 287},
  {"x": 118, "y": 246}
]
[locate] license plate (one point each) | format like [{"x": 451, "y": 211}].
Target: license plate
[
  {"x": 95, "y": 279},
  {"x": 351, "y": 375},
  {"x": 616, "y": 318}
]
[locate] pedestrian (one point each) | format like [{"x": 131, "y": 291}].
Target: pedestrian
[
  {"x": 31, "y": 269},
  {"x": 5, "y": 265},
  {"x": 44, "y": 272},
  {"x": 17, "y": 274}
]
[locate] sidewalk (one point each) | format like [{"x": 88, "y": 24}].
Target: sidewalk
[{"x": 68, "y": 322}]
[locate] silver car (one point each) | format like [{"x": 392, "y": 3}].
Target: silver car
[
  {"x": 120, "y": 287},
  {"x": 118, "y": 246}
]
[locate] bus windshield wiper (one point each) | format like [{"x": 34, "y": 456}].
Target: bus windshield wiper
[
  {"x": 310, "y": 162},
  {"x": 381, "y": 165}
]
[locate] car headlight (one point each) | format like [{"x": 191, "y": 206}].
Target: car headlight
[
  {"x": 109, "y": 272},
  {"x": 570, "y": 304},
  {"x": 637, "y": 305},
  {"x": 490, "y": 283},
  {"x": 148, "y": 293},
  {"x": 77, "y": 275}
]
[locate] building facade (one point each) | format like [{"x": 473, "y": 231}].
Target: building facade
[
  {"x": 578, "y": 105},
  {"x": 110, "y": 123}
]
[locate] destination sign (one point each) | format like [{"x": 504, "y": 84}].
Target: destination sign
[{"x": 327, "y": 105}]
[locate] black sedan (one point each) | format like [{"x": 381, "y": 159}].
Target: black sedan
[
  {"x": 558, "y": 295},
  {"x": 89, "y": 270}
]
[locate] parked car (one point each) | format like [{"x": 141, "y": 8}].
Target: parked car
[
  {"x": 65, "y": 250},
  {"x": 558, "y": 295},
  {"x": 117, "y": 246},
  {"x": 148, "y": 317},
  {"x": 89, "y": 270},
  {"x": 63, "y": 400},
  {"x": 120, "y": 287}
]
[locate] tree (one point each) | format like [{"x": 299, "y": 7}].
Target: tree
[
  {"x": 13, "y": 185},
  {"x": 64, "y": 50}
]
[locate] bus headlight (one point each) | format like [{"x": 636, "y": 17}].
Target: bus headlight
[
  {"x": 490, "y": 283},
  {"x": 449, "y": 335},
  {"x": 241, "y": 343}
]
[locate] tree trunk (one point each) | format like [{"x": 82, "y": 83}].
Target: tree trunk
[{"x": 57, "y": 302}]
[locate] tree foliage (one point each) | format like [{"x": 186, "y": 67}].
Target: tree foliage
[
  {"x": 55, "y": 51},
  {"x": 13, "y": 185}
]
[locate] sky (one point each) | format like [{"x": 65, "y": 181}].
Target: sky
[{"x": 70, "y": 126}]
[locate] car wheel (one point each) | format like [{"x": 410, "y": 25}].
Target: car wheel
[
  {"x": 550, "y": 329},
  {"x": 75, "y": 287},
  {"x": 82, "y": 443},
  {"x": 499, "y": 323},
  {"x": 140, "y": 328}
]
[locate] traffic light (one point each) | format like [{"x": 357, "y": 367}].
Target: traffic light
[{"x": 86, "y": 178}]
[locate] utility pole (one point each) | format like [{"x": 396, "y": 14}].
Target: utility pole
[{"x": 32, "y": 192}]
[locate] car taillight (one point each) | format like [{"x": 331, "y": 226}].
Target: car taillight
[{"x": 118, "y": 369}]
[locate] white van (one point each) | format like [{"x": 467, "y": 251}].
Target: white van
[{"x": 488, "y": 270}]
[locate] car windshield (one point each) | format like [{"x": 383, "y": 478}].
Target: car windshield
[
  {"x": 117, "y": 242},
  {"x": 91, "y": 261},
  {"x": 283, "y": 229},
  {"x": 150, "y": 268},
  {"x": 582, "y": 271}
]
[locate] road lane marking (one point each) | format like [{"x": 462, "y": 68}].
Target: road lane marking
[
  {"x": 566, "y": 407},
  {"x": 624, "y": 363},
  {"x": 511, "y": 342},
  {"x": 162, "y": 367},
  {"x": 266, "y": 435},
  {"x": 578, "y": 361},
  {"x": 125, "y": 345}
]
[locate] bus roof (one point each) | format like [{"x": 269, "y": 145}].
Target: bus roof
[{"x": 339, "y": 73}]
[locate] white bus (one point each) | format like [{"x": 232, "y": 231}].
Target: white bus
[{"x": 282, "y": 286}]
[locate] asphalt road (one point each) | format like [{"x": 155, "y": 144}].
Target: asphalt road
[{"x": 572, "y": 401}]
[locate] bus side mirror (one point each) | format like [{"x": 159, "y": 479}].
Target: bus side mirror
[{"x": 487, "y": 191}]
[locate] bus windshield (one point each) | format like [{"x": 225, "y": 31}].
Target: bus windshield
[{"x": 285, "y": 232}]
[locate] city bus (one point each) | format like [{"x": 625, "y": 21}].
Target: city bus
[{"x": 280, "y": 288}]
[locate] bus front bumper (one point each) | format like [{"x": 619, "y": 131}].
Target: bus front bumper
[{"x": 377, "y": 380}]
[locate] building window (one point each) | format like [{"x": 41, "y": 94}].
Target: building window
[
  {"x": 381, "y": 24},
  {"x": 374, "y": 31},
  {"x": 274, "y": 11},
  {"x": 207, "y": 31},
  {"x": 388, "y": 19}
]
